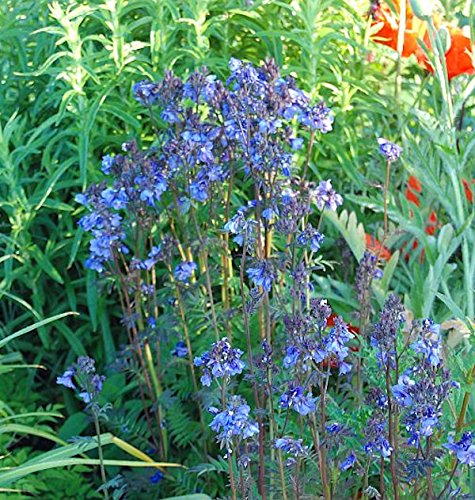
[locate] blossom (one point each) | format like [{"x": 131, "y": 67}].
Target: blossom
[
  {"x": 89, "y": 383},
  {"x": 295, "y": 398},
  {"x": 66, "y": 378},
  {"x": 107, "y": 164},
  {"x": 348, "y": 462},
  {"x": 184, "y": 271},
  {"x": 222, "y": 361},
  {"x": 421, "y": 392},
  {"x": 180, "y": 350},
  {"x": 384, "y": 333},
  {"x": 429, "y": 343},
  {"x": 457, "y": 54},
  {"x": 157, "y": 477},
  {"x": 390, "y": 150},
  {"x": 327, "y": 197},
  {"x": 145, "y": 92},
  {"x": 376, "y": 432},
  {"x": 310, "y": 236},
  {"x": 464, "y": 449},
  {"x": 291, "y": 446},
  {"x": 262, "y": 274},
  {"x": 233, "y": 421},
  {"x": 376, "y": 248}
]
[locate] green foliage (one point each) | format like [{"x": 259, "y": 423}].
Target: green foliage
[{"x": 67, "y": 68}]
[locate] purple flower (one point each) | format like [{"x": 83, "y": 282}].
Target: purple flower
[
  {"x": 88, "y": 381},
  {"x": 233, "y": 421},
  {"x": 107, "y": 164},
  {"x": 429, "y": 343},
  {"x": 390, "y": 150},
  {"x": 312, "y": 236},
  {"x": 334, "y": 428},
  {"x": 152, "y": 257},
  {"x": 157, "y": 477},
  {"x": 401, "y": 391},
  {"x": 292, "y": 356},
  {"x": 327, "y": 197}
]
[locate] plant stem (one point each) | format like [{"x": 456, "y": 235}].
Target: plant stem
[
  {"x": 466, "y": 399},
  {"x": 391, "y": 434},
  {"x": 386, "y": 190},
  {"x": 99, "y": 449}
]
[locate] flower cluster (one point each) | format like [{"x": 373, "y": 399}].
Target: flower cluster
[
  {"x": 464, "y": 449},
  {"x": 233, "y": 422},
  {"x": 384, "y": 335},
  {"x": 422, "y": 389},
  {"x": 295, "y": 398},
  {"x": 222, "y": 361},
  {"x": 82, "y": 378},
  {"x": 311, "y": 343},
  {"x": 390, "y": 150}
]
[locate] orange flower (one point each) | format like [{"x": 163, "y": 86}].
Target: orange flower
[
  {"x": 458, "y": 56},
  {"x": 374, "y": 246},
  {"x": 388, "y": 23}
]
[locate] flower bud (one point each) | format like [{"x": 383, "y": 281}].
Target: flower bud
[{"x": 422, "y": 8}]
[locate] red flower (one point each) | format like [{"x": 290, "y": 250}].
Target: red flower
[
  {"x": 374, "y": 246},
  {"x": 414, "y": 186},
  {"x": 351, "y": 328},
  {"x": 468, "y": 190}
]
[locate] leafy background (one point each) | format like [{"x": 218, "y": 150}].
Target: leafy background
[{"x": 66, "y": 71}]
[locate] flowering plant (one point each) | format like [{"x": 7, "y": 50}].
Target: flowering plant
[{"x": 163, "y": 226}]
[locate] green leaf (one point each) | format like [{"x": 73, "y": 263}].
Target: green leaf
[{"x": 6, "y": 340}]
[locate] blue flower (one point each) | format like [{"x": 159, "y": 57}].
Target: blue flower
[
  {"x": 82, "y": 199},
  {"x": 295, "y": 398},
  {"x": 233, "y": 421},
  {"x": 334, "y": 428},
  {"x": 107, "y": 164},
  {"x": 390, "y": 150},
  {"x": 180, "y": 350},
  {"x": 348, "y": 462},
  {"x": 291, "y": 446},
  {"x": 199, "y": 190},
  {"x": 296, "y": 143},
  {"x": 146, "y": 92},
  {"x": 157, "y": 477},
  {"x": 263, "y": 274},
  {"x": 89, "y": 382},
  {"x": 402, "y": 391},
  {"x": 184, "y": 271},
  {"x": 312, "y": 236},
  {"x": 464, "y": 449},
  {"x": 222, "y": 361},
  {"x": 429, "y": 343},
  {"x": 152, "y": 257},
  {"x": 66, "y": 378},
  {"x": 291, "y": 357}
]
